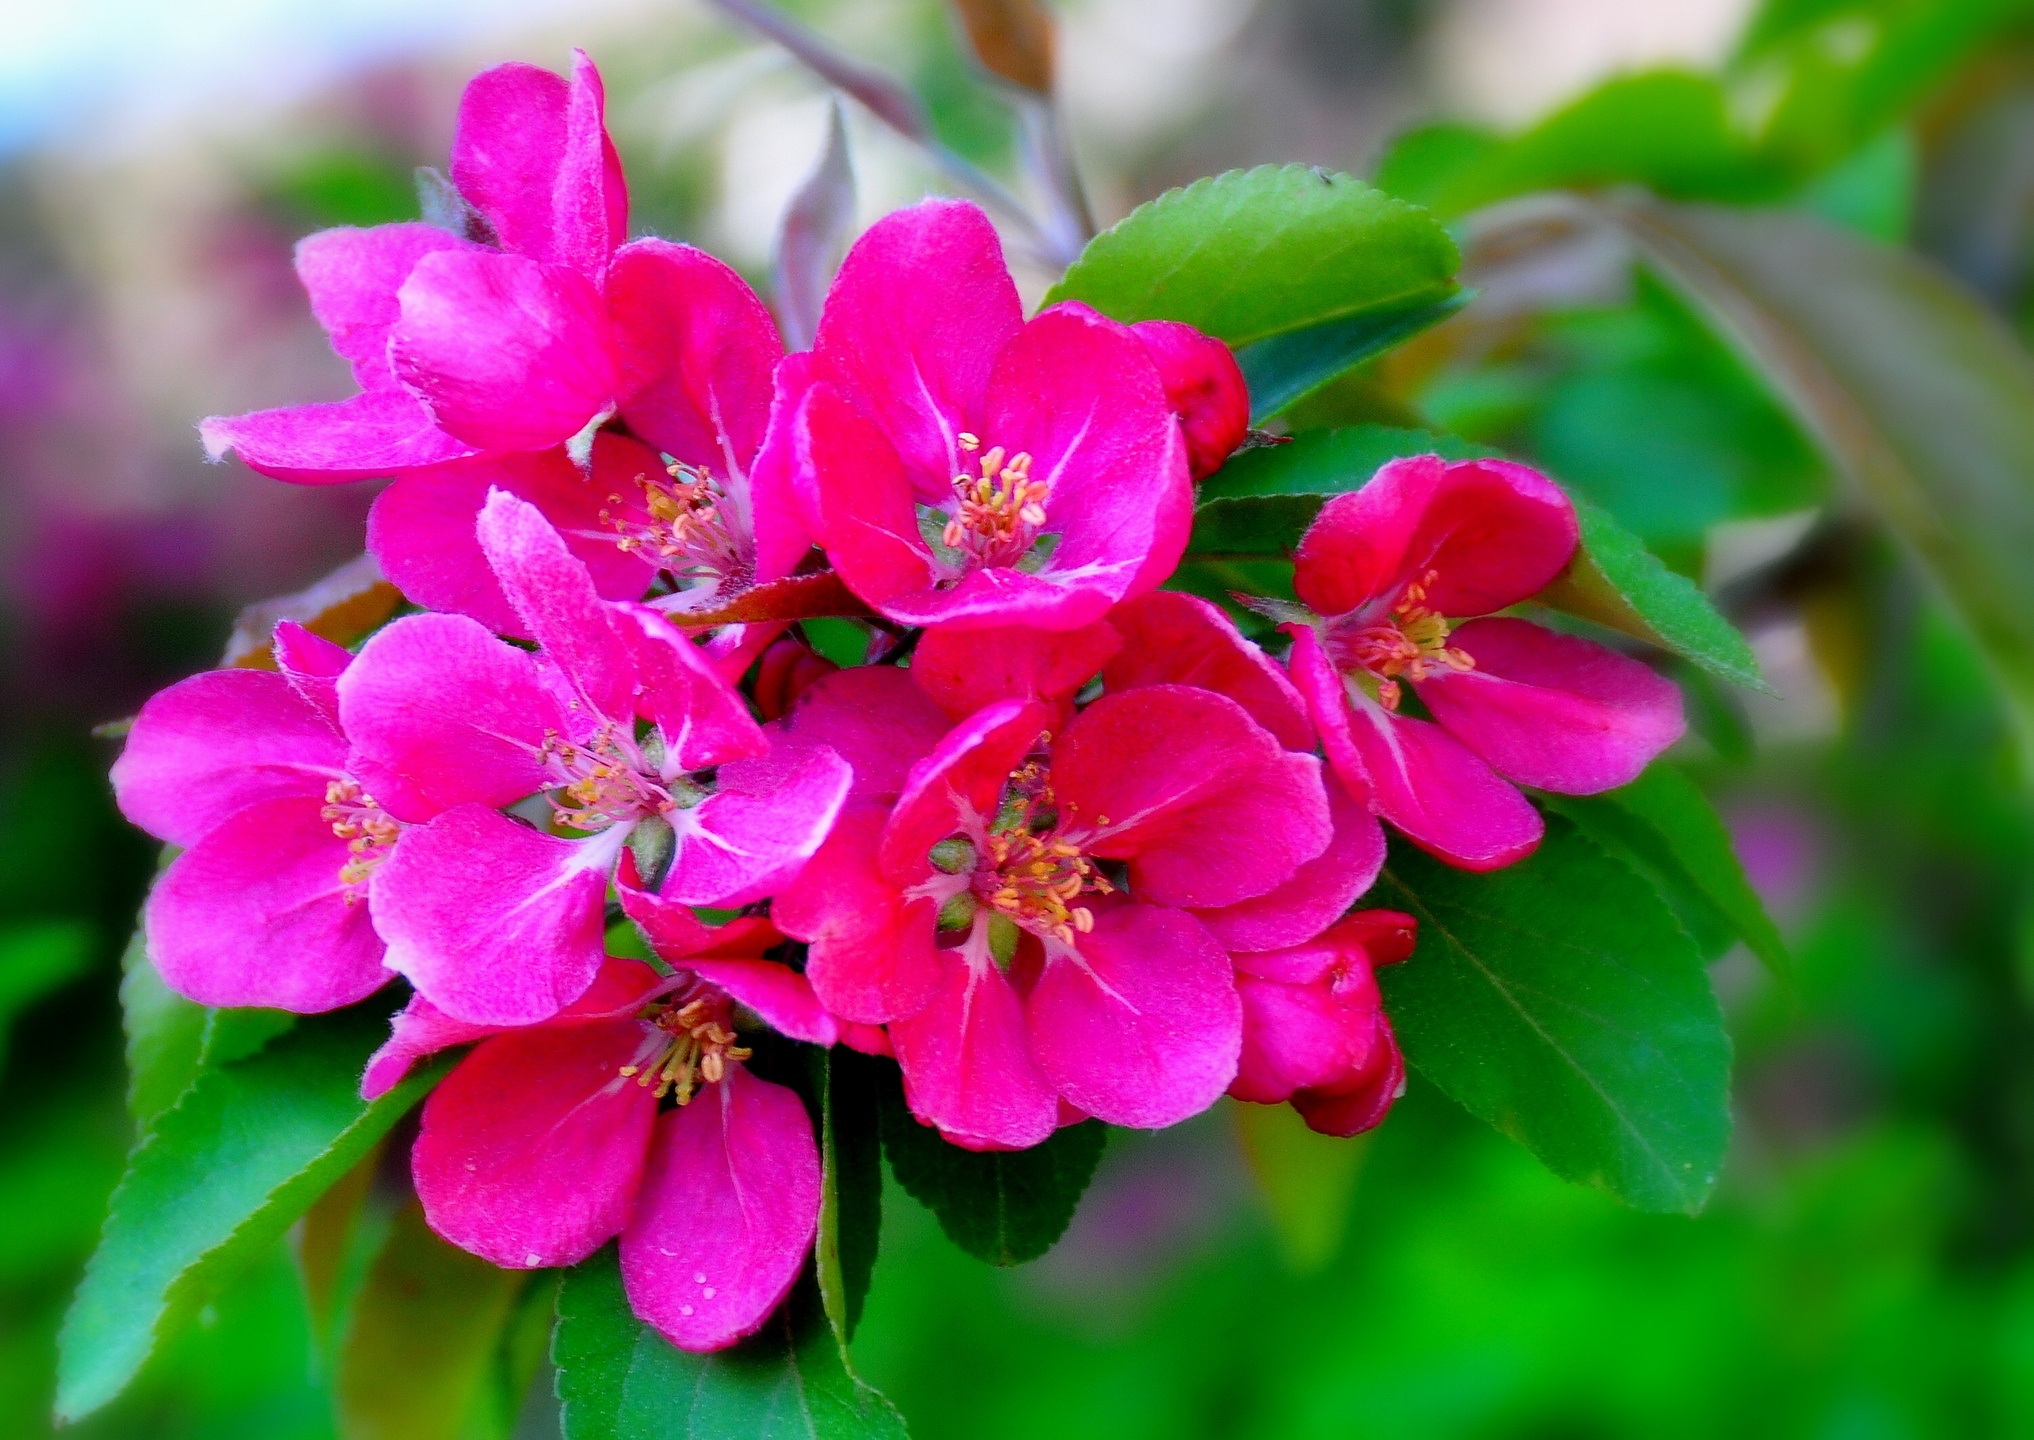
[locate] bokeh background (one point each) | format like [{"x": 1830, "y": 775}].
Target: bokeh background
[{"x": 1865, "y": 1269}]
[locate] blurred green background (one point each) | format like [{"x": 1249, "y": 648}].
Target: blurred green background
[{"x": 1865, "y": 1269}]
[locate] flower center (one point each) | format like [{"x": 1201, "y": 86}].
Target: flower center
[
  {"x": 1412, "y": 641},
  {"x": 685, "y": 525},
  {"x": 601, "y": 782},
  {"x": 1030, "y": 870},
  {"x": 368, "y": 830},
  {"x": 691, "y": 1040},
  {"x": 1000, "y": 512}
]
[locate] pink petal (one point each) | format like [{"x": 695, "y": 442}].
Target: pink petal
[
  {"x": 554, "y": 594},
  {"x": 965, "y": 670},
  {"x": 1299, "y": 1036},
  {"x": 727, "y": 1211},
  {"x": 1413, "y": 773},
  {"x": 618, "y": 992},
  {"x": 874, "y": 718},
  {"x": 856, "y": 499},
  {"x": 312, "y": 665},
  {"x": 782, "y": 538},
  {"x": 697, "y": 350},
  {"x": 1140, "y": 1024},
  {"x": 917, "y": 316},
  {"x": 505, "y": 352},
  {"x": 418, "y": 1029},
  {"x": 780, "y": 995},
  {"x": 1203, "y": 802},
  {"x": 1492, "y": 532},
  {"x": 531, "y": 1151},
  {"x": 1319, "y": 892},
  {"x": 210, "y": 746},
  {"x": 441, "y": 713},
  {"x": 255, "y": 913},
  {"x": 421, "y": 528},
  {"x": 352, "y": 277},
  {"x": 1205, "y": 388},
  {"x": 532, "y": 156},
  {"x": 703, "y": 717},
  {"x": 1079, "y": 392},
  {"x": 959, "y": 781},
  {"x": 495, "y": 923},
  {"x": 996, "y": 597},
  {"x": 1554, "y": 711},
  {"x": 375, "y": 433},
  {"x": 1175, "y": 639},
  {"x": 765, "y": 819},
  {"x": 872, "y": 957},
  {"x": 967, "y": 1061}
]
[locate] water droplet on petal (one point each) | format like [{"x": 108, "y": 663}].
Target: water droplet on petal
[
  {"x": 684, "y": 1309},
  {"x": 699, "y": 1277},
  {"x": 531, "y": 1258},
  {"x": 709, "y": 1292}
]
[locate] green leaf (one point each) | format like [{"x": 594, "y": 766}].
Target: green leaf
[
  {"x": 620, "y": 1380},
  {"x": 165, "y": 1037},
  {"x": 1255, "y": 253},
  {"x": 1921, "y": 396},
  {"x": 1559, "y": 1000},
  {"x": 1002, "y": 1206},
  {"x": 851, "y": 1194},
  {"x": 221, "y": 1175},
  {"x": 1285, "y": 369},
  {"x": 1669, "y": 130},
  {"x": 1663, "y": 827},
  {"x": 1616, "y": 582},
  {"x": 418, "y": 1359}
]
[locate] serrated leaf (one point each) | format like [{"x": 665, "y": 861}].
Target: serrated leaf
[
  {"x": 1665, "y": 828},
  {"x": 1285, "y": 369},
  {"x": 851, "y": 1193},
  {"x": 620, "y": 1380},
  {"x": 1618, "y": 583},
  {"x": 220, "y": 1177},
  {"x": 1921, "y": 396},
  {"x": 165, "y": 1037},
  {"x": 1255, "y": 253},
  {"x": 1559, "y": 1000},
  {"x": 1002, "y": 1206},
  {"x": 418, "y": 1359}
]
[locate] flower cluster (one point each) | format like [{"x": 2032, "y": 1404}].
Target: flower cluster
[{"x": 1065, "y": 846}]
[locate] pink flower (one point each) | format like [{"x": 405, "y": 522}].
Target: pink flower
[
  {"x": 491, "y": 360},
  {"x": 1019, "y": 916},
  {"x": 965, "y": 467},
  {"x": 1391, "y": 569},
  {"x": 1314, "y": 1030},
  {"x": 548, "y": 1140},
  {"x": 248, "y": 771},
  {"x": 497, "y": 922}
]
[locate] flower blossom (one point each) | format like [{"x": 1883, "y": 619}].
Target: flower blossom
[
  {"x": 1314, "y": 1029},
  {"x": 493, "y": 358},
  {"x": 963, "y": 466},
  {"x": 1390, "y": 571},
  {"x": 248, "y": 771},
  {"x": 624, "y": 729},
  {"x": 1019, "y": 903},
  {"x": 631, "y": 1113}
]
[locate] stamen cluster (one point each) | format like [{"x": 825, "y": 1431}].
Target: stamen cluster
[{"x": 1000, "y": 511}]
